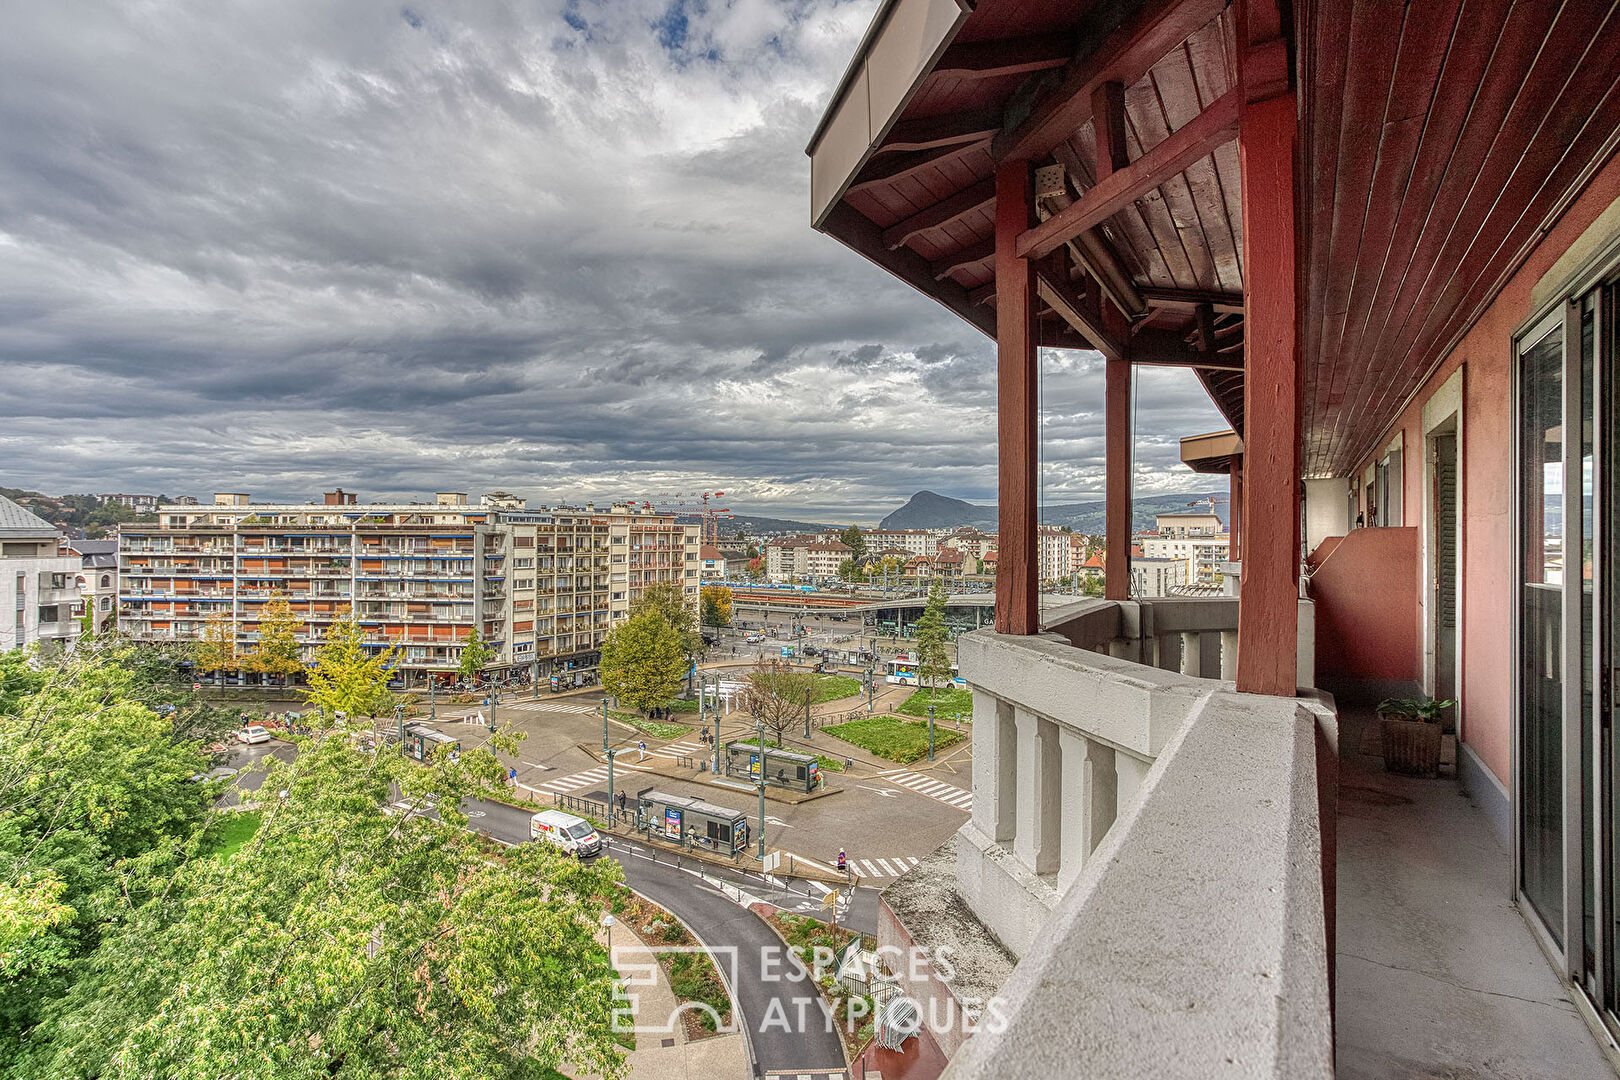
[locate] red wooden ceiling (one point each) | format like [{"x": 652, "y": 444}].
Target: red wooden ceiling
[{"x": 1438, "y": 139}]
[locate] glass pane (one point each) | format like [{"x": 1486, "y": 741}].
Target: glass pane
[
  {"x": 1541, "y": 656},
  {"x": 1580, "y": 540}
]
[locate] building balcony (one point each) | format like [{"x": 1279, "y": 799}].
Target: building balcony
[{"x": 1144, "y": 862}]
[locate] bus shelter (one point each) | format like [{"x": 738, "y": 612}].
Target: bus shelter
[
  {"x": 783, "y": 768},
  {"x": 684, "y": 819}
]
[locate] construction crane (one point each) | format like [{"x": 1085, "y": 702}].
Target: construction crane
[{"x": 709, "y": 517}]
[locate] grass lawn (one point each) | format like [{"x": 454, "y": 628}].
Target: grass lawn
[
  {"x": 947, "y": 703},
  {"x": 684, "y": 705},
  {"x": 239, "y": 829},
  {"x": 657, "y": 729},
  {"x": 900, "y": 741},
  {"x": 833, "y": 687}
]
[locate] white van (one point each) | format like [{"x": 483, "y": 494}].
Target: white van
[{"x": 574, "y": 835}]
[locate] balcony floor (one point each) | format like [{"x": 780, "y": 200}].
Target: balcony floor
[{"x": 1438, "y": 975}]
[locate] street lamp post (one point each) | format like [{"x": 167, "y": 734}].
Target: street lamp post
[
  {"x": 871, "y": 687},
  {"x": 399, "y": 718},
  {"x": 610, "y": 756},
  {"x": 534, "y": 677},
  {"x": 930, "y": 733},
  {"x": 604, "y": 724},
  {"x": 762, "y": 805},
  {"x": 494, "y": 700},
  {"x": 433, "y": 706}
]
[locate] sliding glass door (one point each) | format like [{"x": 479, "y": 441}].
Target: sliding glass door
[{"x": 1566, "y": 643}]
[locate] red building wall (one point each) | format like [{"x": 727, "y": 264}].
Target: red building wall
[
  {"x": 1486, "y": 477},
  {"x": 1363, "y": 586}
]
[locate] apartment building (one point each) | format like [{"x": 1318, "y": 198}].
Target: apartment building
[
  {"x": 804, "y": 557},
  {"x": 38, "y": 584},
  {"x": 97, "y": 581},
  {"x": 1157, "y": 577},
  {"x": 1203, "y": 554},
  {"x": 970, "y": 542},
  {"x": 141, "y": 504},
  {"x": 912, "y": 541},
  {"x": 543, "y": 586}
]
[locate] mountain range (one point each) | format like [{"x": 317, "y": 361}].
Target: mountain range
[{"x": 929, "y": 510}]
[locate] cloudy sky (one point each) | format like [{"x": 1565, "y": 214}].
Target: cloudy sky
[{"x": 557, "y": 248}]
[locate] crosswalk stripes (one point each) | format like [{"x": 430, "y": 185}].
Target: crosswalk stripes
[
  {"x": 800, "y": 1074},
  {"x": 893, "y": 866},
  {"x": 565, "y": 785},
  {"x": 934, "y": 789},
  {"x": 552, "y": 706},
  {"x": 679, "y": 749}
]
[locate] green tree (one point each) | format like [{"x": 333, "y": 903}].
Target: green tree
[
  {"x": 667, "y": 600},
  {"x": 716, "y": 603},
  {"x": 277, "y": 651},
  {"x": 89, "y": 776},
  {"x": 475, "y": 654},
  {"x": 643, "y": 662},
  {"x": 855, "y": 540},
  {"x": 1092, "y": 584},
  {"x": 933, "y": 662},
  {"x": 347, "y": 939},
  {"x": 346, "y": 676}
]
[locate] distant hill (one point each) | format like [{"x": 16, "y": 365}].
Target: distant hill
[
  {"x": 754, "y": 526},
  {"x": 928, "y": 510}
]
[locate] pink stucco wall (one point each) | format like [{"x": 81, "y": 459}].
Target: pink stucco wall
[{"x": 1486, "y": 601}]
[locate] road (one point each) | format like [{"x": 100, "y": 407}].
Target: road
[{"x": 787, "y": 1026}]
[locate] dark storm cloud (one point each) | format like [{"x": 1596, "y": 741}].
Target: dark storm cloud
[{"x": 559, "y": 248}]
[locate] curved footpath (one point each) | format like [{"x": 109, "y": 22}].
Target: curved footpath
[{"x": 786, "y": 1025}]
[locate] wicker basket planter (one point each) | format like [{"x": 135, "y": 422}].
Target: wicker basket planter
[{"x": 1411, "y": 747}]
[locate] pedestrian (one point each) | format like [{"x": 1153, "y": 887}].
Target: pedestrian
[
  {"x": 621, "y": 802},
  {"x": 642, "y": 746},
  {"x": 511, "y": 776},
  {"x": 843, "y": 863}
]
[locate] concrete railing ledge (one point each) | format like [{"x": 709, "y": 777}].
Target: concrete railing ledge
[{"x": 1193, "y": 942}]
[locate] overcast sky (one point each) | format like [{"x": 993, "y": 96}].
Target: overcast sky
[{"x": 555, "y": 248}]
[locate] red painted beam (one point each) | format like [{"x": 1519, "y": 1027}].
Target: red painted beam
[
  {"x": 1122, "y": 54},
  {"x": 1005, "y": 56},
  {"x": 943, "y": 212},
  {"x": 948, "y": 130},
  {"x": 1193, "y": 140},
  {"x": 1234, "y": 508},
  {"x": 1117, "y": 437},
  {"x": 1108, "y": 118},
  {"x": 1018, "y": 561},
  {"x": 886, "y": 169},
  {"x": 1268, "y": 615}
]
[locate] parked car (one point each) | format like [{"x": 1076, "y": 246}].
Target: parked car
[
  {"x": 572, "y": 834},
  {"x": 754, "y": 637},
  {"x": 253, "y": 733}
]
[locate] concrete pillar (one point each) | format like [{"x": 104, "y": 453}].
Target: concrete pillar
[
  {"x": 1037, "y": 837},
  {"x": 1129, "y": 773},
  {"x": 995, "y": 759},
  {"x": 1191, "y": 654},
  {"x": 1229, "y": 654},
  {"x": 1090, "y": 800}
]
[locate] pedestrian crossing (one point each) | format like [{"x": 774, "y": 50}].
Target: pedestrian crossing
[
  {"x": 680, "y": 749},
  {"x": 934, "y": 789},
  {"x": 567, "y": 785},
  {"x": 893, "y": 866},
  {"x": 553, "y": 706}
]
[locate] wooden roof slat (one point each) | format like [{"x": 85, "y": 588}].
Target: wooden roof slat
[
  {"x": 1122, "y": 52},
  {"x": 926, "y": 133},
  {"x": 941, "y": 213},
  {"x": 887, "y": 168},
  {"x": 1216, "y": 123},
  {"x": 1005, "y": 56}
]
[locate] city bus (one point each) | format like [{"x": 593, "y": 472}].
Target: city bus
[{"x": 902, "y": 671}]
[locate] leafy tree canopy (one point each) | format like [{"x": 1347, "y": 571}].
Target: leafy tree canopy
[
  {"x": 933, "y": 661},
  {"x": 716, "y": 604},
  {"x": 475, "y": 655},
  {"x": 668, "y": 601},
  {"x": 643, "y": 661},
  {"x": 855, "y": 540},
  {"x": 346, "y": 938},
  {"x": 346, "y": 676},
  {"x": 277, "y": 651}
]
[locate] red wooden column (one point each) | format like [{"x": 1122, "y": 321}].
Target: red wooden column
[
  {"x": 1268, "y": 613},
  {"x": 1017, "y": 560},
  {"x": 1117, "y": 480},
  {"x": 1234, "y": 508}
]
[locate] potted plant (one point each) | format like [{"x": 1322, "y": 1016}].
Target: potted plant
[{"x": 1411, "y": 734}]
